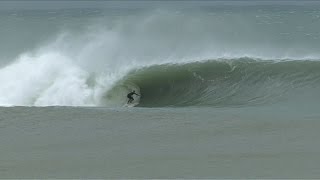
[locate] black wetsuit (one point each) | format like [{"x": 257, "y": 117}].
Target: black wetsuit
[{"x": 130, "y": 96}]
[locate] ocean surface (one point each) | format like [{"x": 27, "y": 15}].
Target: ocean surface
[{"x": 229, "y": 89}]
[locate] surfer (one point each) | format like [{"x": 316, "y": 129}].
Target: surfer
[{"x": 130, "y": 96}]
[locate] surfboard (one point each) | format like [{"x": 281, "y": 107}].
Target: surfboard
[{"x": 130, "y": 105}]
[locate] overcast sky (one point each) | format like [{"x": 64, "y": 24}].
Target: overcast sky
[{"x": 159, "y": 0}]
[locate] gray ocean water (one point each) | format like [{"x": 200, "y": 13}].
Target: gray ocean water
[{"x": 229, "y": 89}]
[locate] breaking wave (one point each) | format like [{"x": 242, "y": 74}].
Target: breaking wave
[
  {"x": 54, "y": 80},
  {"x": 235, "y": 82},
  {"x": 204, "y": 56}
]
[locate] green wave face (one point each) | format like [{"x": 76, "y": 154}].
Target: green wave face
[{"x": 219, "y": 83}]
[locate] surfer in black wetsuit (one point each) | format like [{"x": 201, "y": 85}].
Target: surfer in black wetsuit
[{"x": 130, "y": 96}]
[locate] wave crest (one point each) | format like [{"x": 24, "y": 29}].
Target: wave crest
[{"x": 238, "y": 82}]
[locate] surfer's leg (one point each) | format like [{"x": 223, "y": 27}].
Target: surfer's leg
[{"x": 130, "y": 100}]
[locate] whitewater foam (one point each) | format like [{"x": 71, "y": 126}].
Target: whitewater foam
[{"x": 46, "y": 79}]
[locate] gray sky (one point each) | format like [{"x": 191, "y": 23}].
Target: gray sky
[{"x": 160, "y": 0}]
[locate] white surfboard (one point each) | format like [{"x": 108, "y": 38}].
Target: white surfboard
[{"x": 130, "y": 105}]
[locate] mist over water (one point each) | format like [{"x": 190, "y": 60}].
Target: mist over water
[{"x": 93, "y": 56}]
